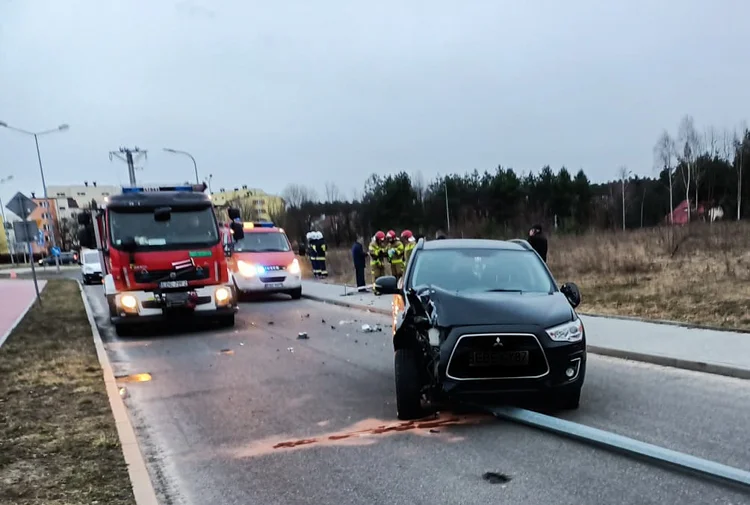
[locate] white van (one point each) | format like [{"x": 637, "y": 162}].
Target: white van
[{"x": 91, "y": 268}]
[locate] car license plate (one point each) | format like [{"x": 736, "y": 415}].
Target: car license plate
[
  {"x": 488, "y": 358},
  {"x": 274, "y": 285},
  {"x": 173, "y": 284}
]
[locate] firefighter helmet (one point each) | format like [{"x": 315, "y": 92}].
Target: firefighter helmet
[
  {"x": 391, "y": 234},
  {"x": 380, "y": 235},
  {"x": 406, "y": 234}
]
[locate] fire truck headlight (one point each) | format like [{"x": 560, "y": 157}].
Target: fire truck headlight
[
  {"x": 246, "y": 269},
  {"x": 293, "y": 267},
  {"x": 129, "y": 303},
  {"x": 223, "y": 296}
]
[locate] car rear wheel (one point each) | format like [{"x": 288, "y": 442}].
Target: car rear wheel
[{"x": 408, "y": 385}]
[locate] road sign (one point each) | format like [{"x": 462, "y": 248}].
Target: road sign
[
  {"x": 55, "y": 251},
  {"x": 40, "y": 238},
  {"x": 25, "y": 231},
  {"x": 21, "y": 205}
]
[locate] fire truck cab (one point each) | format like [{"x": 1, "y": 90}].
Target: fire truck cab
[{"x": 162, "y": 256}]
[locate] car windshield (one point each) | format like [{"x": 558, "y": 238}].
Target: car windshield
[
  {"x": 272, "y": 241},
  {"x": 185, "y": 227},
  {"x": 482, "y": 270},
  {"x": 91, "y": 257}
]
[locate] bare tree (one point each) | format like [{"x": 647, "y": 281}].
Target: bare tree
[
  {"x": 738, "y": 144},
  {"x": 295, "y": 195},
  {"x": 248, "y": 212},
  {"x": 417, "y": 182},
  {"x": 623, "y": 173},
  {"x": 332, "y": 193},
  {"x": 689, "y": 145},
  {"x": 664, "y": 152}
]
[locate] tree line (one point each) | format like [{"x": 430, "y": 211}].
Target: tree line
[{"x": 708, "y": 168}]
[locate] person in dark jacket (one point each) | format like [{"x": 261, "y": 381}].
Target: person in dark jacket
[
  {"x": 538, "y": 241},
  {"x": 359, "y": 257}
]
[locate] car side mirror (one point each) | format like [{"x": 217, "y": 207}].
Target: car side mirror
[
  {"x": 572, "y": 293},
  {"x": 128, "y": 244},
  {"x": 238, "y": 233},
  {"x": 387, "y": 285}
]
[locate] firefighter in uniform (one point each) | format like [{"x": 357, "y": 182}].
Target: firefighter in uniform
[
  {"x": 377, "y": 258},
  {"x": 323, "y": 271},
  {"x": 312, "y": 246},
  {"x": 395, "y": 254},
  {"x": 407, "y": 238}
]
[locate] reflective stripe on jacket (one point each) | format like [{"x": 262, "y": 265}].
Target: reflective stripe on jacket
[{"x": 397, "y": 257}]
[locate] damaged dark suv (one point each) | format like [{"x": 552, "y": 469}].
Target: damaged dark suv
[{"x": 482, "y": 319}]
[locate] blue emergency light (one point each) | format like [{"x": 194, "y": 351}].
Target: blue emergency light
[
  {"x": 258, "y": 224},
  {"x": 153, "y": 189}
]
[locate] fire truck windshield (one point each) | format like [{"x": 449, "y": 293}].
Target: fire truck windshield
[{"x": 193, "y": 227}]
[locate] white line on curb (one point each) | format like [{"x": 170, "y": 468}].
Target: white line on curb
[
  {"x": 18, "y": 320},
  {"x": 143, "y": 489}
]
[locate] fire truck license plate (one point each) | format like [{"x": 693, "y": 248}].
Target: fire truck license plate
[{"x": 173, "y": 284}]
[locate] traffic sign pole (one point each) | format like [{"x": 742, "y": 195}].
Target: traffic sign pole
[{"x": 23, "y": 206}]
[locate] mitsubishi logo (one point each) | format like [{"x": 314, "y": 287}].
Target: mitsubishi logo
[{"x": 497, "y": 343}]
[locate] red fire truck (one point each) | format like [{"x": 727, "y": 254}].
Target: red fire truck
[{"x": 162, "y": 256}]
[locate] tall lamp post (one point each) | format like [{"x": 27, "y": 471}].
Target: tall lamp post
[
  {"x": 63, "y": 127},
  {"x": 185, "y": 153},
  {"x": 5, "y": 221}
]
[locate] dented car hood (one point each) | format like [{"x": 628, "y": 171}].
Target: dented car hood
[{"x": 488, "y": 308}]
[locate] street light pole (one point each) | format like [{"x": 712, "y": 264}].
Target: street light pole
[
  {"x": 185, "y": 153},
  {"x": 5, "y": 221},
  {"x": 36, "y": 135}
]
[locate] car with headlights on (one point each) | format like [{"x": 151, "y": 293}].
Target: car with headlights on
[
  {"x": 480, "y": 320},
  {"x": 91, "y": 267},
  {"x": 263, "y": 261}
]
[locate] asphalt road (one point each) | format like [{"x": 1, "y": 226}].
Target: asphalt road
[{"x": 220, "y": 401}]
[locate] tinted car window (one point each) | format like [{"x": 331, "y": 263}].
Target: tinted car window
[
  {"x": 263, "y": 242},
  {"x": 481, "y": 270}
]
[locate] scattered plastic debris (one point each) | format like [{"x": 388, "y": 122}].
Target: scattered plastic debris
[
  {"x": 306, "y": 315},
  {"x": 323, "y": 321},
  {"x": 496, "y": 478},
  {"x": 290, "y": 349},
  {"x": 333, "y": 327},
  {"x": 227, "y": 351},
  {"x": 370, "y": 329},
  {"x": 302, "y": 336},
  {"x": 242, "y": 343},
  {"x": 270, "y": 322},
  {"x": 138, "y": 377},
  {"x": 344, "y": 321}
]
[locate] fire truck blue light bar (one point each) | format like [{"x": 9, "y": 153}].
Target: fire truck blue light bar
[{"x": 153, "y": 189}]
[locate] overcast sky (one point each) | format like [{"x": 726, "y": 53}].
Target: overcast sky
[{"x": 267, "y": 93}]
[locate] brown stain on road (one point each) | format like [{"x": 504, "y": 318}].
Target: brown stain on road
[{"x": 365, "y": 433}]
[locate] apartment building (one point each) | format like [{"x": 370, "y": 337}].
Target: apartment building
[
  {"x": 45, "y": 216},
  {"x": 4, "y": 238},
  {"x": 250, "y": 200},
  {"x": 70, "y": 199}
]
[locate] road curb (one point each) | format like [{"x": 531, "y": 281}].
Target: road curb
[
  {"x": 143, "y": 489},
  {"x": 18, "y": 320},
  {"x": 667, "y": 322},
  {"x": 654, "y": 359}
]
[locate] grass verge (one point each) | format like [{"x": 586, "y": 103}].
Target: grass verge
[
  {"x": 698, "y": 274},
  {"x": 58, "y": 441}
]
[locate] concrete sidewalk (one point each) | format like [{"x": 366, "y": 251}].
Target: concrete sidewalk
[
  {"x": 16, "y": 297},
  {"x": 24, "y": 270},
  {"x": 711, "y": 351}
]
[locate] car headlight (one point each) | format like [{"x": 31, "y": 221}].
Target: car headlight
[
  {"x": 223, "y": 296},
  {"x": 129, "y": 303},
  {"x": 247, "y": 269},
  {"x": 568, "y": 332},
  {"x": 293, "y": 267}
]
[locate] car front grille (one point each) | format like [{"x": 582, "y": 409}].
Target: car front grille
[
  {"x": 153, "y": 276},
  {"x": 497, "y": 356},
  {"x": 273, "y": 279}
]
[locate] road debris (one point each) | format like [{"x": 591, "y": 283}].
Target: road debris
[
  {"x": 290, "y": 349},
  {"x": 302, "y": 336},
  {"x": 270, "y": 322},
  {"x": 323, "y": 321},
  {"x": 226, "y": 351},
  {"x": 344, "y": 321},
  {"x": 371, "y": 329},
  {"x": 496, "y": 478}
]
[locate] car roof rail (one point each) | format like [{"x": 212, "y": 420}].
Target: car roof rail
[
  {"x": 523, "y": 243},
  {"x": 420, "y": 243}
]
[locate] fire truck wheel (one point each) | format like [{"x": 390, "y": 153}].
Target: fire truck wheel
[
  {"x": 296, "y": 294},
  {"x": 226, "y": 321}
]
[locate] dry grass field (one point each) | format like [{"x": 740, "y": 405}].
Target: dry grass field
[{"x": 700, "y": 274}]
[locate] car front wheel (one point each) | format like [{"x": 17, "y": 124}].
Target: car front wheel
[
  {"x": 296, "y": 294},
  {"x": 570, "y": 399},
  {"x": 408, "y": 385}
]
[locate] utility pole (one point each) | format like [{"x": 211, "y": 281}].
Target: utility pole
[
  {"x": 127, "y": 155},
  {"x": 447, "y": 209}
]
